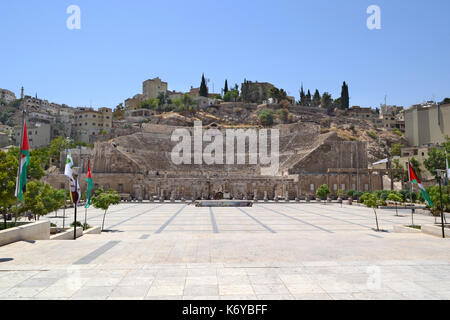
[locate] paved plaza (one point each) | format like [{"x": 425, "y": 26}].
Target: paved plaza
[{"x": 270, "y": 251}]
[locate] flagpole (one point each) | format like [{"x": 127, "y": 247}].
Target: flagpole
[
  {"x": 65, "y": 202},
  {"x": 19, "y": 170},
  {"x": 75, "y": 213},
  {"x": 410, "y": 191}
]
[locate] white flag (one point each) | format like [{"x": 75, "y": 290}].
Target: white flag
[
  {"x": 75, "y": 191},
  {"x": 380, "y": 162}
]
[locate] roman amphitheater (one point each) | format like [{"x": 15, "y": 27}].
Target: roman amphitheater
[{"x": 139, "y": 166}]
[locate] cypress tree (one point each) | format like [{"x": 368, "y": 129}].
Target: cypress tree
[
  {"x": 316, "y": 99},
  {"x": 203, "y": 88},
  {"x": 345, "y": 99},
  {"x": 302, "y": 96},
  {"x": 308, "y": 98},
  {"x": 225, "y": 90}
]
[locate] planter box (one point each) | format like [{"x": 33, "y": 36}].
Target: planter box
[
  {"x": 94, "y": 230},
  {"x": 67, "y": 235},
  {"x": 435, "y": 230},
  {"x": 33, "y": 231},
  {"x": 405, "y": 229}
]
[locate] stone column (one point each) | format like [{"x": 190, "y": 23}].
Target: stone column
[
  {"x": 265, "y": 197},
  {"x": 161, "y": 198},
  {"x": 255, "y": 196},
  {"x": 287, "y": 196}
]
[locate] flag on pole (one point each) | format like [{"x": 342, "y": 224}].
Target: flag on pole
[
  {"x": 447, "y": 177},
  {"x": 75, "y": 191},
  {"x": 380, "y": 162},
  {"x": 89, "y": 186},
  {"x": 24, "y": 161},
  {"x": 413, "y": 178}
]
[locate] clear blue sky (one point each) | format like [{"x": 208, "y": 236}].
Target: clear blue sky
[{"x": 320, "y": 43}]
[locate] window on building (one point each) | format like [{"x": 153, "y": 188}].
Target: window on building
[
  {"x": 335, "y": 187},
  {"x": 311, "y": 187},
  {"x": 354, "y": 186},
  {"x": 366, "y": 187},
  {"x": 120, "y": 188},
  {"x": 343, "y": 187}
]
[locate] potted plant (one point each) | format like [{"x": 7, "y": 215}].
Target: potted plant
[
  {"x": 350, "y": 196},
  {"x": 322, "y": 192}
]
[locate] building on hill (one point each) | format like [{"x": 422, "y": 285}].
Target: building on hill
[
  {"x": 4, "y": 139},
  {"x": 152, "y": 88},
  {"x": 427, "y": 124},
  {"x": 255, "y": 92},
  {"x": 386, "y": 110},
  {"x": 194, "y": 92},
  {"x": 7, "y": 96},
  {"x": 90, "y": 123},
  {"x": 39, "y": 134},
  {"x": 393, "y": 122},
  {"x": 134, "y": 103},
  {"x": 365, "y": 114},
  {"x": 172, "y": 95}
]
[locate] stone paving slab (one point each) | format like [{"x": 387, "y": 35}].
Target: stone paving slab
[{"x": 270, "y": 251}]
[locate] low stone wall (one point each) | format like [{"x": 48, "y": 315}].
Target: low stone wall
[
  {"x": 404, "y": 229},
  {"x": 67, "y": 235},
  {"x": 33, "y": 231},
  {"x": 93, "y": 230},
  {"x": 435, "y": 230}
]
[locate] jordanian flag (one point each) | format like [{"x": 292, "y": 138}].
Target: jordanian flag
[
  {"x": 24, "y": 161},
  {"x": 413, "y": 178},
  {"x": 89, "y": 186}
]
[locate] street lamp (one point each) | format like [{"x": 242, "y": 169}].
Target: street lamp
[{"x": 441, "y": 174}]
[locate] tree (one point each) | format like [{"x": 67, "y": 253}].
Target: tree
[
  {"x": 396, "y": 199},
  {"x": 277, "y": 94},
  {"x": 59, "y": 144},
  {"x": 8, "y": 173},
  {"x": 119, "y": 111},
  {"x": 34, "y": 170},
  {"x": 337, "y": 103},
  {"x": 283, "y": 114},
  {"x": 396, "y": 149},
  {"x": 316, "y": 99},
  {"x": 266, "y": 117},
  {"x": 302, "y": 97},
  {"x": 372, "y": 202},
  {"x": 326, "y": 101},
  {"x": 345, "y": 99},
  {"x": 445, "y": 101},
  {"x": 33, "y": 199},
  {"x": 225, "y": 89},
  {"x": 308, "y": 99},
  {"x": 103, "y": 200},
  {"x": 323, "y": 191},
  {"x": 436, "y": 159},
  {"x": 203, "y": 88}
]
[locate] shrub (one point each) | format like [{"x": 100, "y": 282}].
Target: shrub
[
  {"x": 266, "y": 117},
  {"x": 372, "y": 134},
  {"x": 323, "y": 191},
  {"x": 364, "y": 197}
]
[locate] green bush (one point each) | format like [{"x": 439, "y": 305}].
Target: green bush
[
  {"x": 364, "y": 197},
  {"x": 266, "y": 117},
  {"x": 323, "y": 191},
  {"x": 350, "y": 193},
  {"x": 372, "y": 134}
]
